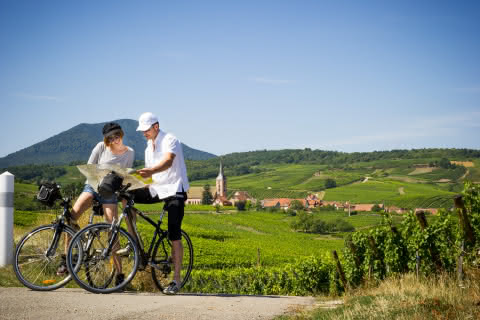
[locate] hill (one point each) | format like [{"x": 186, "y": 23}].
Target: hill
[
  {"x": 76, "y": 144},
  {"x": 420, "y": 178},
  {"x": 242, "y": 163}
]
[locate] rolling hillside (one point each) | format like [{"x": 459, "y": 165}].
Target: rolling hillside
[
  {"x": 392, "y": 182},
  {"x": 415, "y": 180},
  {"x": 77, "y": 143}
]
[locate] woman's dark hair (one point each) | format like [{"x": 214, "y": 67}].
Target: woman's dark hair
[{"x": 109, "y": 127}]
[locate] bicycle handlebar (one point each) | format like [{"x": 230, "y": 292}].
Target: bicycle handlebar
[{"x": 125, "y": 187}]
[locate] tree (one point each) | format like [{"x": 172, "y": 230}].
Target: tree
[
  {"x": 240, "y": 205},
  {"x": 296, "y": 205},
  {"x": 207, "y": 195},
  {"x": 330, "y": 183},
  {"x": 304, "y": 221}
]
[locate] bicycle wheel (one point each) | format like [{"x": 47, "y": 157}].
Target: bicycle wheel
[
  {"x": 38, "y": 256},
  {"x": 162, "y": 264},
  {"x": 96, "y": 264}
]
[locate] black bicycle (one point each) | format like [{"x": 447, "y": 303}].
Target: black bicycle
[
  {"x": 41, "y": 251},
  {"x": 101, "y": 249}
]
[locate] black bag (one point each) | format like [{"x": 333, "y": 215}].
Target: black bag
[
  {"x": 48, "y": 193},
  {"x": 110, "y": 184}
]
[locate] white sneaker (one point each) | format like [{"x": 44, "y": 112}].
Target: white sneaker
[
  {"x": 172, "y": 288},
  {"x": 124, "y": 251}
]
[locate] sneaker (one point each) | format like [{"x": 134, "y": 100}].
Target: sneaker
[
  {"x": 62, "y": 269},
  {"x": 124, "y": 251},
  {"x": 172, "y": 288}
]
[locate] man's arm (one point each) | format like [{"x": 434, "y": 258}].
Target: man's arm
[{"x": 163, "y": 165}]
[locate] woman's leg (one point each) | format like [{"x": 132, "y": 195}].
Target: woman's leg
[{"x": 83, "y": 202}]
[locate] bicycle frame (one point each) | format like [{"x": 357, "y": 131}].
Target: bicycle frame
[
  {"x": 128, "y": 215},
  {"x": 59, "y": 226}
]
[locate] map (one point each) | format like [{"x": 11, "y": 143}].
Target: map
[{"x": 95, "y": 173}]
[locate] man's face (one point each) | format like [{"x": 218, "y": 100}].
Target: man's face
[{"x": 151, "y": 133}]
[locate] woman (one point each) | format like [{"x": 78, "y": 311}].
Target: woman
[{"x": 109, "y": 151}]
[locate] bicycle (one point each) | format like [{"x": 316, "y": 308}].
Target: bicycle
[
  {"x": 104, "y": 248},
  {"x": 41, "y": 251}
]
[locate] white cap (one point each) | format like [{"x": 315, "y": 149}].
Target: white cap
[{"x": 146, "y": 120}]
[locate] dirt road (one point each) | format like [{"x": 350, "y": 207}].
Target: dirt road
[{"x": 63, "y": 304}]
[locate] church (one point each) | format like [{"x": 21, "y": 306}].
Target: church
[{"x": 220, "y": 196}]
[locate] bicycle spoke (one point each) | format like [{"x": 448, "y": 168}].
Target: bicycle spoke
[
  {"x": 32, "y": 267},
  {"x": 98, "y": 267}
]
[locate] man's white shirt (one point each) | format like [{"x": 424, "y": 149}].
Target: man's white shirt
[{"x": 166, "y": 183}]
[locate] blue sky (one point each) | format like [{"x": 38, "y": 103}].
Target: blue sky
[{"x": 232, "y": 76}]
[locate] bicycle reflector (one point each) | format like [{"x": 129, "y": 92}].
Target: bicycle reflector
[
  {"x": 49, "y": 281},
  {"x": 111, "y": 183}
]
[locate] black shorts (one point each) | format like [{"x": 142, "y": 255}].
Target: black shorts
[{"x": 174, "y": 205}]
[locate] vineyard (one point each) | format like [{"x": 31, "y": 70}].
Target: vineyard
[
  {"x": 424, "y": 245},
  {"x": 257, "y": 252}
]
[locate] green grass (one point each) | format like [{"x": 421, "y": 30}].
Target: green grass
[
  {"x": 474, "y": 172},
  {"x": 440, "y": 173},
  {"x": 232, "y": 240},
  {"x": 72, "y": 175},
  {"x": 391, "y": 192},
  {"x": 359, "y": 221}
]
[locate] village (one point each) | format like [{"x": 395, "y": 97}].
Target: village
[{"x": 312, "y": 201}]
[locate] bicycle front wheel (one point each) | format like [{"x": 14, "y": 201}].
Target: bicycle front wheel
[
  {"x": 39, "y": 255},
  {"x": 92, "y": 264},
  {"x": 163, "y": 268}
]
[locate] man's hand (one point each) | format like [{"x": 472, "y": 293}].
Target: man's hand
[{"x": 145, "y": 172}]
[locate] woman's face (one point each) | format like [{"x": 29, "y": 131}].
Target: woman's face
[{"x": 115, "y": 139}]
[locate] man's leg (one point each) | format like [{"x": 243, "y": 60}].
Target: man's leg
[
  {"x": 175, "y": 210},
  {"x": 177, "y": 256}
]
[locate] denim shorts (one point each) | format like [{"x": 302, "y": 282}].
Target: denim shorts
[{"x": 88, "y": 188}]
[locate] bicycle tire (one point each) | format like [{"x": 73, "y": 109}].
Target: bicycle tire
[
  {"x": 93, "y": 271},
  {"x": 162, "y": 266},
  {"x": 104, "y": 284},
  {"x": 33, "y": 267}
]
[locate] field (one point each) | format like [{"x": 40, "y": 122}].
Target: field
[
  {"x": 391, "y": 192},
  {"x": 394, "y": 182},
  {"x": 233, "y": 240}
]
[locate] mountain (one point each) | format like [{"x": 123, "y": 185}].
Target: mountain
[{"x": 77, "y": 143}]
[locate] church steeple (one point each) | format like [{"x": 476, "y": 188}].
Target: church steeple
[
  {"x": 220, "y": 173},
  {"x": 221, "y": 182}
]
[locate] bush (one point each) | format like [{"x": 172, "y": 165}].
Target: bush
[
  {"x": 240, "y": 205},
  {"x": 307, "y": 276},
  {"x": 330, "y": 183}
]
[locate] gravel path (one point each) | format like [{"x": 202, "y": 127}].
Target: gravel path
[{"x": 62, "y": 304}]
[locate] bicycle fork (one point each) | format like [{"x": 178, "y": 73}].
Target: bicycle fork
[{"x": 54, "y": 244}]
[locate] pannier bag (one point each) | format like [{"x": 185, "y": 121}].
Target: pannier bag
[
  {"x": 111, "y": 183},
  {"x": 48, "y": 193}
]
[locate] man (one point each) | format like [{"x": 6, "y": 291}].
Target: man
[{"x": 164, "y": 162}]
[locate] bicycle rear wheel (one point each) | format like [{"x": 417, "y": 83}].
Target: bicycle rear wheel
[
  {"x": 38, "y": 256},
  {"x": 96, "y": 264},
  {"x": 162, "y": 263}
]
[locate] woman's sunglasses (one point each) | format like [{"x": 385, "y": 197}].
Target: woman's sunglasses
[{"x": 113, "y": 138}]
